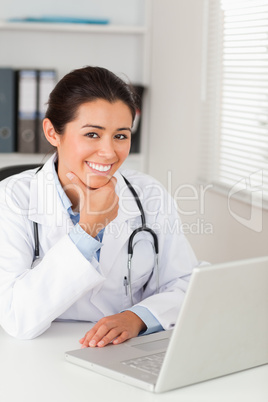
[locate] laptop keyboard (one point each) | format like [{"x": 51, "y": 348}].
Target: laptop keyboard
[{"x": 150, "y": 364}]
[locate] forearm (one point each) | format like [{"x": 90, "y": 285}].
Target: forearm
[{"x": 33, "y": 300}]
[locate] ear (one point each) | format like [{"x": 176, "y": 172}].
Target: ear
[{"x": 50, "y": 133}]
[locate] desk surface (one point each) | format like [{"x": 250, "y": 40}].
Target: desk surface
[{"x": 36, "y": 370}]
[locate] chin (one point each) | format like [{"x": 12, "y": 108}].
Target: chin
[{"x": 97, "y": 182}]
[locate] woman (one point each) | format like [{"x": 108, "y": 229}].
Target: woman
[{"x": 85, "y": 214}]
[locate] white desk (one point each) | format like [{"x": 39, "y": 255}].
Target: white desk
[{"x": 36, "y": 370}]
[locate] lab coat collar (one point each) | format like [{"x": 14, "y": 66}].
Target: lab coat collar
[
  {"x": 128, "y": 207},
  {"x": 45, "y": 205}
]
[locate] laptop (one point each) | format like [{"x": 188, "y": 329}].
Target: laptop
[{"x": 222, "y": 328}]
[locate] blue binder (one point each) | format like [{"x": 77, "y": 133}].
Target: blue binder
[{"x": 7, "y": 110}]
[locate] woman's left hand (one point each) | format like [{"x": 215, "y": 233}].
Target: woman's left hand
[{"x": 114, "y": 328}]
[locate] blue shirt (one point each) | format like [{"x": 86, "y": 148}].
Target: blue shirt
[{"x": 90, "y": 247}]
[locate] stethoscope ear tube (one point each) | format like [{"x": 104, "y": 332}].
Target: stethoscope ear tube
[
  {"x": 36, "y": 234},
  {"x": 36, "y": 241},
  {"x": 142, "y": 229}
]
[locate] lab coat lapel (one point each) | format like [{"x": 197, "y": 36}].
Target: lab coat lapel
[
  {"x": 117, "y": 233},
  {"x": 45, "y": 205}
]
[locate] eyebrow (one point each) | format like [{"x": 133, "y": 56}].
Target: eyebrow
[{"x": 103, "y": 128}]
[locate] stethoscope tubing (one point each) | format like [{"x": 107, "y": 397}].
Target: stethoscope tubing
[{"x": 143, "y": 228}]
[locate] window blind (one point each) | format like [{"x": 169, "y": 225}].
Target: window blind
[{"x": 234, "y": 125}]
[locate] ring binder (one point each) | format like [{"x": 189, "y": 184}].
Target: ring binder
[
  {"x": 7, "y": 110},
  {"x": 27, "y": 110},
  {"x": 46, "y": 83}
]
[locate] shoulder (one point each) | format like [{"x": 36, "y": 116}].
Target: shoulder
[
  {"x": 151, "y": 192},
  {"x": 17, "y": 187},
  {"x": 142, "y": 180}
]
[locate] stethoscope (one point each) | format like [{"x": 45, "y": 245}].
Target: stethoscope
[{"x": 143, "y": 228}]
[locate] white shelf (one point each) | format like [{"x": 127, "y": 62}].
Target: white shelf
[
  {"x": 123, "y": 48},
  {"x": 10, "y": 159},
  {"x": 65, "y": 27}
]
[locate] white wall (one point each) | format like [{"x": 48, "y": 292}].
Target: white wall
[
  {"x": 174, "y": 110},
  {"x": 211, "y": 226},
  {"x": 69, "y": 50},
  {"x": 175, "y": 89}
]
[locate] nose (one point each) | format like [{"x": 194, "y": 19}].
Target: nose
[{"x": 106, "y": 149}]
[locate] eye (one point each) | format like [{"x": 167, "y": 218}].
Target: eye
[
  {"x": 91, "y": 135},
  {"x": 121, "y": 136}
]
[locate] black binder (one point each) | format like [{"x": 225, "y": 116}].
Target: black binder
[
  {"x": 136, "y": 129},
  {"x": 7, "y": 110}
]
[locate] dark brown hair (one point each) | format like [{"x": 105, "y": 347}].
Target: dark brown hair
[{"x": 85, "y": 85}]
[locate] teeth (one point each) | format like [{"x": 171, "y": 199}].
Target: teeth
[{"x": 100, "y": 168}]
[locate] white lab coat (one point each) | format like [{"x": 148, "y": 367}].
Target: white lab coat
[{"x": 65, "y": 285}]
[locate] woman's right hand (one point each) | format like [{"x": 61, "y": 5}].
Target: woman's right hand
[{"x": 98, "y": 207}]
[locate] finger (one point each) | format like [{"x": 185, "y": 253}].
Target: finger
[
  {"x": 108, "y": 338},
  {"x": 113, "y": 181},
  {"x": 93, "y": 336},
  {"x": 88, "y": 336},
  {"x": 100, "y": 336},
  {"x": 121, "y": 338},
  {"x": 75, "y": 185},
  {"x": 75, "y": 179},
  {"x": 72, "y": 177}
]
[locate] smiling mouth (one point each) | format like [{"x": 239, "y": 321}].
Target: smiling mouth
[{"x": 99, "y": 167}]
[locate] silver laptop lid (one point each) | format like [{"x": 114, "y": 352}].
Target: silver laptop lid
[{"x": 223, "y": 324}]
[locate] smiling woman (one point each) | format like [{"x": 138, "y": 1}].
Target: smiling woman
[
  {"x": 95, "y": 144},
  {"x": 86, "y": 210}
]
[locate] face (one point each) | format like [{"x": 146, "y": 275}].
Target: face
[{"x": 96, "y": 143}]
